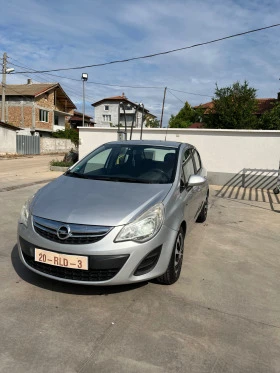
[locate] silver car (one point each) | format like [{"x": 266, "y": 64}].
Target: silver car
[{"x": 118, "y": 216}]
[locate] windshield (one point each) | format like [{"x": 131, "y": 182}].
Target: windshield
[{"x": 128, "y": 163}]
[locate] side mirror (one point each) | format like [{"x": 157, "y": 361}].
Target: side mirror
[{"x": 196, "y": 180}]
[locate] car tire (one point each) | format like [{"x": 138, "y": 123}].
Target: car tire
[
  {"x": 276, "y": 190},
  {"x": 203, "y": 213},
  {"x": 173, "y": 271}
]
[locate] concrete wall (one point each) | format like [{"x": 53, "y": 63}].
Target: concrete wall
[
  {"x": 230, "y": 156},
  {"x": 53, "y": 145},
  {"x": 7, "y": 140}
]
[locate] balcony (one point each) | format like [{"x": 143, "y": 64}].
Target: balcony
[{"x": 127, "y": 111}]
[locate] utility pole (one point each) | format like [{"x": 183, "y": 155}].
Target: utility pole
[
  {"x": 4, "y": 66},
  {"x": 162, "y": 110}
]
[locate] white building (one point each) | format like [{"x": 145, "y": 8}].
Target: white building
[{"x": 111, "y": 111}]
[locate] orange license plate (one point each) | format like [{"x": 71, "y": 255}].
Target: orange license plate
[{"x": 61, "y": 260}]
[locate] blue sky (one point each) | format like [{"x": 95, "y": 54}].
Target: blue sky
[{"x": 48, "y": 34}]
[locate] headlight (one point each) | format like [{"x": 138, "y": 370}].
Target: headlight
[
  {"x": 25, "y": 211},
  {"x": 145, "y": 227}
]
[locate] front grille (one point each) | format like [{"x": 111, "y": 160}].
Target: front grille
[
  {"x": 149, "y": 262},
  {"x": 72, "y": 274},
  {"x": 79, "y": 234},
  {"x": 101, "y": 267}
]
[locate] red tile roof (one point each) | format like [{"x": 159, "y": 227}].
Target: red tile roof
[
  {"x": 113, "y": 98},
  {"x": 78, "y": 116},
  {"x": 264, "y": 104},
  {"x": 119, "y": 98},
  {"x": 197, "y": 125}
]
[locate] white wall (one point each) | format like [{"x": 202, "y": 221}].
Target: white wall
[
  {"x": 7, "y": 140},
  {"x": 223, "y": 151}
]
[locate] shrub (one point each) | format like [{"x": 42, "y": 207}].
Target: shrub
[
  {"x": 69, "y": 133},
  {"x": 56, "y": 162}
]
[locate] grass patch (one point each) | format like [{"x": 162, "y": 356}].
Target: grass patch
[{"x": 56, "y": 162}]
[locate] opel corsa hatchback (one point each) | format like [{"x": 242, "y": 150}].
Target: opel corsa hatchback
[{"x": 118, "y": 216}]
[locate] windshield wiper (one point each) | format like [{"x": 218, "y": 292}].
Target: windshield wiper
[
  {"x": 133, "y": 180},
  {"x": 76, "y": 174},
  {"x": 119, "y": 179}
]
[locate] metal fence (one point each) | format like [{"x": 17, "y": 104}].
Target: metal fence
[{"x": 28, "y": 144}]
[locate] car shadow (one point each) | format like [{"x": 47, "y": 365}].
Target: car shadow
[{"x": 63, "y": 287}]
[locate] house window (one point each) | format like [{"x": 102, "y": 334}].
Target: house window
[
  {"x": 106, "y": 118},
  {"x": 106, "y": 107},
  {"x": 43, "y": 115}
]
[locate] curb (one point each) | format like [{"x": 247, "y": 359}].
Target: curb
[{"x": 58, "y": 168}]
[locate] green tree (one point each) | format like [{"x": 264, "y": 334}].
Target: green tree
[
  {"x": 234, "y": 107},
  {"x": 270, "y": 120},
  {"x": 152, "y": 123},
  {"x": 186, "y": 116},
  {"x": 69, "y": 133}
]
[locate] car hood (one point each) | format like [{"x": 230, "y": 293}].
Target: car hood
[{"x": 95, "y": 202}]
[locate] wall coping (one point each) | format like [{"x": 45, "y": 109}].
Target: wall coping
[{"x": 186, "y": 130}]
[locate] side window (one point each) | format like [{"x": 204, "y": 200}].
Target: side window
[
  {"x": 197, "y": 160},
  {"x": 188, "y": 166}
]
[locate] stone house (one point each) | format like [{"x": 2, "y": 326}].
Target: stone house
[
  {"x": 111, "y": 111},
  {"x": 37, "y": 107}
]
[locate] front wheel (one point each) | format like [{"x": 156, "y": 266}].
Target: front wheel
[{"x": 173, "y": 271}]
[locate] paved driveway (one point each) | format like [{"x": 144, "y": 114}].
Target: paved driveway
[
  {"x": 223, "y": 315},
  {"x": 15, "y": 172}
]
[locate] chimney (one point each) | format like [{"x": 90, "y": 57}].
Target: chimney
[
  {"x": 29, "y": 81},
  {"x": 123, "y": 95},
  {"x": 278, "y": 96}
]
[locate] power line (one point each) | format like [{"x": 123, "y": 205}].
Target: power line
[
  {"x": 189, "y": 93},
  {"x": 157, "y": 54},
  {"x": 176, "y": 96},
  {"x": 109, "y": 85},
  {"x": 73, "y": 91},
  {"x": 78, "y": 80}
]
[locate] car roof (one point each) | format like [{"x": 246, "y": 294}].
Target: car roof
[{"x": 173, "y": 144}]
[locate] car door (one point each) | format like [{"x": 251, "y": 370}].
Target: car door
[{"x": 192, "y": 206}]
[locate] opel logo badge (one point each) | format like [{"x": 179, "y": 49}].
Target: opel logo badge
[{"x": 63, "y": 232}]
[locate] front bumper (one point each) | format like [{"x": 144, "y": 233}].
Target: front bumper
[{"x": 110, "y": 263}]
